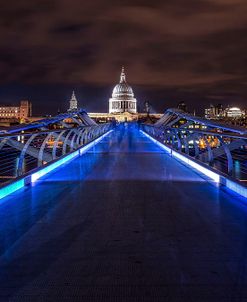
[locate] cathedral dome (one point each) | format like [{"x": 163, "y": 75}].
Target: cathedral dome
[
  {"x": 122, "y": 90},
  {"x": 122, "y": 99}
]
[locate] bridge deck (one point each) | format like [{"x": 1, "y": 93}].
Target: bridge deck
[{"x": 125, "y": 222}]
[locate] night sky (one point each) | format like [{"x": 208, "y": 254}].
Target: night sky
[{"x": 172, "y": 50}]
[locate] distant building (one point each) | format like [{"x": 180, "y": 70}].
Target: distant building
[
  {"x": 122, "y": 99},
  {"x": 21, "y": 112},
  {"x": 234, "y": 112},
  {"x": 73, "y": 104},
  {"x": 229, "y": 113},
  {"x": 182, "y": 106},
  {"x": 214, "y": 112},
  {"x": 123, "y": 117},
  {"x": 122, "y": 106}
]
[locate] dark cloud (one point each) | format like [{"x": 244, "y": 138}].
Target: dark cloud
[{"x": 173, "y": 50}]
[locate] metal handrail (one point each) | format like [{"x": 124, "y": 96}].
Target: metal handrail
[
  {"x": 21, "y": 152},
  {"x": 187, "y": 141}
]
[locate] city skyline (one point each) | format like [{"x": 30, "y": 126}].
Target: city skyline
[
  {"x": 193, "y": 53},
  {"x": 94, "y": 99}
]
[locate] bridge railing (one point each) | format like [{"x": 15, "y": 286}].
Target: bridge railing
[
  {"x": 224, "y": 152},
  {"x": 21, "y": 152}
]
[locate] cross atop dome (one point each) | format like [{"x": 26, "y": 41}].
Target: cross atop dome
[{"x": 123, "y": 76}]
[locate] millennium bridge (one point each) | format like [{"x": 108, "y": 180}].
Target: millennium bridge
[{"x": 128, "y": 212}]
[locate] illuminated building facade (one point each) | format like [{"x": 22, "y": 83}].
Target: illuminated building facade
[
  {"x": 217, "y": 112},
  {"x": 73, "y": 104},
  {"x": 122, "y": 105},
  {"x": 214, "y": 112},
  {"x": 234, "y": 112},
  {"x": 21, "y": 112},
  {"x": 122, "y": 99}
]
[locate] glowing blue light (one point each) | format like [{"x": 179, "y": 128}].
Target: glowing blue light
[
  {"x": 237, "y": 188},
  {"x": 191, "y": 163},
  {"x": 214, "y": 176},
  {"x": 67, "y": 158},
  {"x": 5, "y": 191},
  {"x": 93, "y": 143},
  {"x": 53, "y": 166},
  {"x": 234, "y": 186},
  {"x": 157, "y": 142},
  {"x": 11, "y": 188}
]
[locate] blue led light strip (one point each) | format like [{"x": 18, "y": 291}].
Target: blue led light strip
[
  {"x": 217, "y": 178},
  {"x": 11, "y": 188},
  {"x": 53, "y": 166},
  {"x": 16, "y": 185},
  {"x": 65, "y": 159}
]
